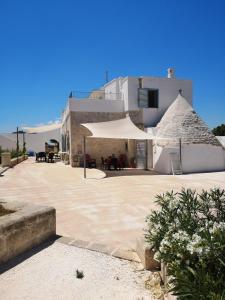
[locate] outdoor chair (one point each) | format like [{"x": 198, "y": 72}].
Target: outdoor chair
[
  {"x": 103, "y": 163},
  {"x": 51, "y": 157},
  {"x": 122, "y": 161},
  {"x": 91, "y": 162},
  {"x": 40, "y": 156}
]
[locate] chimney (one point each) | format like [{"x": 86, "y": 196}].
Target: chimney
[
  {"x": 140, "y": 82},
  {"x": 170, "y": 73}
]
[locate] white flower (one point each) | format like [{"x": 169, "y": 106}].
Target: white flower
[
  {"x": 164, "y": 244},
  {"x": 217, "y": 227},
  {"x": 173, "y": 203},
  {"x": 181, "y": 236},
  {"x": 196, "y": 245},
  {"x": 156, "y": 256}
]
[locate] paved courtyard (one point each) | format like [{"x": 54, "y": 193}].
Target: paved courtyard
[{"x": 108, "y": 210}]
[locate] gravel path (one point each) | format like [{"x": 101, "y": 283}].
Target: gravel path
[{"x": 51, "y": 274}]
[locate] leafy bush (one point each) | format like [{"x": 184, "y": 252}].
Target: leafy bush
[
  {"x": 188, "y": 234},
  {"x": 219, "y": 130}
]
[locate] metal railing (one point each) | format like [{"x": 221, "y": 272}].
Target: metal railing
[{"x": 95, "y": 95}]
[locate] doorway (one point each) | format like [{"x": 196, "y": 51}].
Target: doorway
[{"x": 141, "y": 154}]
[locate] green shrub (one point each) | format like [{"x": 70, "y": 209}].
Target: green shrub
[
  {"x": 13, "y": 152},
  {"x": 188, "y": 234}
]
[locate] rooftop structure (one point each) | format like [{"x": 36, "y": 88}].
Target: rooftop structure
[
  {"x": 181, "y": 121},
  {"x": 150, "y": 95}
]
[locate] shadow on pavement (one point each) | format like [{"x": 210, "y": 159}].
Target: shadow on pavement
[{"x": 22, "y": 257}]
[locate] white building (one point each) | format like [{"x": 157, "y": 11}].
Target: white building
[
  {"x": 180, "y": 141},
  {"x": 186, "y": 138},
  {"x": 145, "y": 99},
  {"x": 150, "y": 95}
]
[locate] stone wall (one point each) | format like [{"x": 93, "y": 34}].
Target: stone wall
[
  {"x": 14, "y": 161},
  {"x": 98, "y": 148},
  {"x": 6, "y": 160},
  {"x": 28, "y": 226}
]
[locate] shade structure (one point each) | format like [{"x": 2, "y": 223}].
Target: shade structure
[
  {"x": 118, "y": 129},
  {"x": 41, "y": 129}
]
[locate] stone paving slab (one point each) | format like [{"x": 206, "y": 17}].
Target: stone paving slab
[
  {"x": 100, "y": 210},
  {"x": 123, "y": 253}
]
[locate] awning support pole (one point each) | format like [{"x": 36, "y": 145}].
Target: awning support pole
[
  {"x": 180, "y": 153},
  {"x": 84, "y": 146},
  {"x": 146, "y": 154}
]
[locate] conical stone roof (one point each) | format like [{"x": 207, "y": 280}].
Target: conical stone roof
[{"x": 181, "y": 121}]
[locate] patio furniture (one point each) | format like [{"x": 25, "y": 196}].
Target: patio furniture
[
  {"x": 40, "y": 156},
  {"x": 112, "y": 163},
  {"x": 51, "y": 157},
  {"x": 90, "y": 162},
  {"x": 103, "y": 163},
  {"x": 122, "y": 161}
]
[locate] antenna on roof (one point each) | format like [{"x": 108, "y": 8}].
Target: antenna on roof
[{"x": 106, "y": 76}]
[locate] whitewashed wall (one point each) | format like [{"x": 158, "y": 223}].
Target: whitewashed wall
[
  {"x": 161, "y": 158},
  {"x": 195, "y": 158},
  {"x": 221, "y": 139},
  {"x": 168, "y": 91},
  {"x": 202, "y": 158},
  {"x": 96, "y": 105}
]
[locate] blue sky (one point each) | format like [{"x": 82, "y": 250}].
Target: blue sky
[{"x": 48, "y": 48}]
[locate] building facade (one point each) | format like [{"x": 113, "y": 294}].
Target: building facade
[{"x": 145, "y": 99}]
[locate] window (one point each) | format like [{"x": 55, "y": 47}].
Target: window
[{"x": 148, "y": 98}]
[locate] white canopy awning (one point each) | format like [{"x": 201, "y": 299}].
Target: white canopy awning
[
  {"x": 41, "y": 129},
  {"x": 118, "y": 129}
]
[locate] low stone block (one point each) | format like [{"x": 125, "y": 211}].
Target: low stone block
[
  {"x": 146, "y": 255},
  {"x": 6, "y": 159},
  {"x": 28, "y": 226}
]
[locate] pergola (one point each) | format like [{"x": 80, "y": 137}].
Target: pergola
[{"x": 118, "y": 129}]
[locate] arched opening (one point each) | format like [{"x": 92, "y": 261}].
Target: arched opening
[{"x": 52, "y": 146}]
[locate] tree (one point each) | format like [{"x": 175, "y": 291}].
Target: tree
[{"x": 219, "y": 130}]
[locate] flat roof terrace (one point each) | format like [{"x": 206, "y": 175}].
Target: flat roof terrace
[{"x": 109, "y": 210}]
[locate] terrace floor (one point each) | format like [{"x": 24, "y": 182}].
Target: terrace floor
[{"x": 109, "y": 210}]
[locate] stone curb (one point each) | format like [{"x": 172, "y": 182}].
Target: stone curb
[
  {"x": 146, "y": 255},
  {"x": 127, "y": 254}
]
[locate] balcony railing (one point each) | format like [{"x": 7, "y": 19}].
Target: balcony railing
[{"x": 95, "y": 95}]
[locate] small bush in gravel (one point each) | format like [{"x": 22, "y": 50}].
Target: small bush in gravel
[
  {"x": 188, "y": 234},
  {"x": 79, "y": 274}
]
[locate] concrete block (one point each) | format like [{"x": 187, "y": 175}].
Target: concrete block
[
  {"x": 6, "y": 159},
  {"x": 146, "y": 255},
  {"x": 26, "y": 227}
]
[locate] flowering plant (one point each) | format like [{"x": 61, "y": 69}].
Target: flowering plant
[{"x": 188, "y": 234}]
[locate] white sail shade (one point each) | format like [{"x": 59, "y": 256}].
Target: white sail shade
[
  {"x": 41, "y": 129},
  {"x": 118, "y": 129}
]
